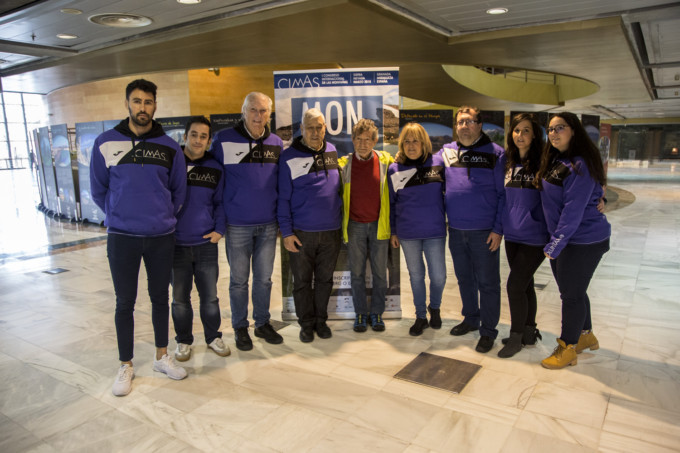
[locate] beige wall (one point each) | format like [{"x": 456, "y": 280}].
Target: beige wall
[
  {"x": 180, "y": 93},
  {"x": 105, "y": 99}
]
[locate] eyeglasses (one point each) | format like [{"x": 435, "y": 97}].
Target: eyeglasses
[
  {"x": 466, "y": 122},
  {"x": 557, "y": 129}
]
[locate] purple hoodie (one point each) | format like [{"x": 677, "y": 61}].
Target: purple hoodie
[
  {"x": 139, "y": 182},
  {"x": 202, "y": 212},
  {"x": 251, "y": 168},
  {"x": 474, "y": 185},
  {"x": 523, "y": 219},
  {"x": 570, "y": 197},
  {"x": 309, "y": 189}
]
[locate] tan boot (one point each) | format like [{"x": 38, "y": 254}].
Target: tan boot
[
  {"x": 587, "y": 341},
  {"x": 563, "y": 355}
]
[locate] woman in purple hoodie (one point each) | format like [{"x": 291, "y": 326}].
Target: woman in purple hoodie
[
  {"x": 524, "y": 229},
  {"x": 571, "y": 177}
]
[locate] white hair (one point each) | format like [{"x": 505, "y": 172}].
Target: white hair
[
  {"x": 250, "y": 98},
  {"x": 311, "y": 114}
]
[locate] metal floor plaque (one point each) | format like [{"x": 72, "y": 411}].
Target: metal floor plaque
[
  {"x": 440, "y": 372},
  {"x": 56, "y": 270}
]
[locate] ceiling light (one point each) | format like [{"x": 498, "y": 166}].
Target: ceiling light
[
  {"x": 496, "y": 10},
  {"x": 188, "y": 2},
  {"x": 120, "y": 20},
  {"x": 66, "y": 36},
  {"x": 71, "y": 11}
]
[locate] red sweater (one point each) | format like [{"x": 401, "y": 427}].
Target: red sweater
[{"x": 364, "y": 198}]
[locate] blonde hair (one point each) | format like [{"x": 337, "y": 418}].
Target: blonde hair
[{"x": 418, "y": 132}]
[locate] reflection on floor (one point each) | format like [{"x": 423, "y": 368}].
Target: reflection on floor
[{"x": 58, "y": 358}]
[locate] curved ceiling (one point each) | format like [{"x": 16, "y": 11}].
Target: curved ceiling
[{"x": 630, "y": 49}]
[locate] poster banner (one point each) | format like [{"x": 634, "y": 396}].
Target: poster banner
[
  {"x": 174, "y": 127},
  {"x": 110, "y": 124},
  {"x": 61, "y": 150},
  {"x": 48, "y": 170},
  {"x": 604, "y": 144},
  {"x": 493, "y": 125},
  {"x": 86, "y": 133},
  {"x": 223, "y": 121},
  {"x": 344, "y": 96},
  {"x": 591, "y": 123},
  {"x": 437, "y": 123},
  {"x": 39, "y": 167}
]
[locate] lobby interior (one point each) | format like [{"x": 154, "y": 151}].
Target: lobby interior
[{"x": 58, "y": 356}]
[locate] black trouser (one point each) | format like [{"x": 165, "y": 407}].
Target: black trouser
[
  {"x": 125, "y": 255},
  {"x": 524, "y": 260},
  {"x": 573, "y": 269},
  {"x": 315, "y": 261}
]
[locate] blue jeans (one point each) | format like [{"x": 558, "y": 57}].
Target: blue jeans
[
  {"x": 243, "y": 244},
  {"x": 363, "y": 243},
  {"x": 433, "y": 249},
  {"x": 573, "y": 269},
  {"x": 479, "y": 280},
  {"x": 125, "y": 254},
  {"x": 315, "y": 261},
  {"x": 197, "y": 263}
]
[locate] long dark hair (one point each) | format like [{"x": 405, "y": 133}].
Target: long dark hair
[
  {"x": 580, "y": 145},
  {"x": 533, "y": 158}
]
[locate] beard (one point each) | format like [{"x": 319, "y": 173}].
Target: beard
[{"x": 141, "y": 122}]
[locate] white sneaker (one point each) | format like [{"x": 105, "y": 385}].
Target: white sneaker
[
  {"x": 123, "y": 383},
  {"x": 183, "y": 352},
  {"x": 219, "y": 347},
  {"x": 168, "y": 366}
]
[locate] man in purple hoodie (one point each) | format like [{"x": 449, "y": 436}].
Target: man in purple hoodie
[
  {"x": 138, "y": 178},
  {"x": 249, "y": 153},
  {"x": 475, "y": 197},
  {"x": 310, "y": 216},
  {"x": 200, "y": 226}
]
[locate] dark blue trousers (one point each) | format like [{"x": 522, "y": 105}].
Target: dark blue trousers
[{"x": 573, "y": 269}]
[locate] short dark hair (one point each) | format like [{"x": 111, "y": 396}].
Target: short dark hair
[
  {"x": 469, "y": 109},
  {"x": 200, "y": 119},
  {"x": 141, "y": 84}
]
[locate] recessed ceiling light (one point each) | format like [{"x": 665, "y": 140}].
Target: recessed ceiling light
[
  {"x": 496, "y": 10},
  {"x": 120, "y": 20},
  {"x": 71, "y": 11},
  {"x": 188, "y": 2},
  {"x": 66, "y": 36}
]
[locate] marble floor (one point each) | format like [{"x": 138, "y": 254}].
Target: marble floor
[{"x": 58, "y": 357}]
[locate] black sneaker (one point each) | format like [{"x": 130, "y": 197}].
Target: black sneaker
[
  {"x": 306, "y": 335},
  {"x": 435, "y": 318},
  {"x": 243, "y": 341},
  {"x": 323, "y": 331},
  {"x": 485, "y": 344},
  {"x": 270, "y": 335},
  {"x": 417, "y": 328}
]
